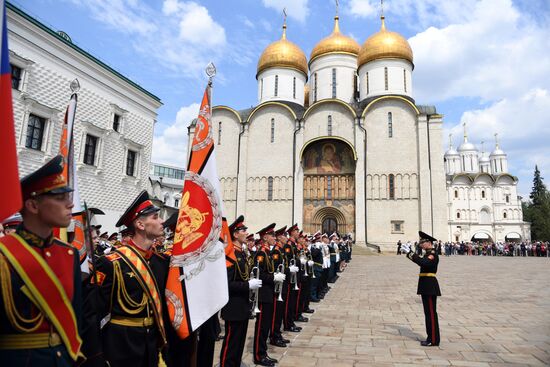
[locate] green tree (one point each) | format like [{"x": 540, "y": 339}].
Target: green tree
[{"x": 537, "y": 211}]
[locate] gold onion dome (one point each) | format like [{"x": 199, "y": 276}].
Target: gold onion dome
[
  {"x": 384, "y": 45},
  {"x": 283, "y": 53},
  {"x": 336, "y": 43}
]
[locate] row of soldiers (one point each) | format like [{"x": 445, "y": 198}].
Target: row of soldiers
[
  {"x": 55, "y": 313},
  {"x": 281, "y": 272}
]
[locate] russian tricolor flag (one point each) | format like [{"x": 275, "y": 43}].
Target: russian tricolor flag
[{"x": 10, "y": 189}]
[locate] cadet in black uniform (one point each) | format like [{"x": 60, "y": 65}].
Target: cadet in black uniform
[
  {"x": 237, "y": 310},
  {"x": 279, "y": 263},
  {"x": 132, "y": 281},
  {"x": 289, "y": 249},
  {"x": 266, "y": 295},
  {"x": 428, "y": 287},
  {"x": 32, "y": 259}
]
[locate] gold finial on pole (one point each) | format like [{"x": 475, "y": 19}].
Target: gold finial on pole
[{"x": 382, "y": 17}]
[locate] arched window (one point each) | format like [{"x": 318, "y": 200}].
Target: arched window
[
  {"x": 272, "y": 130},
  {"x": 456, "y": 194},
  {"x": 405, "y": 80},
  {"x": 367, "y": 81},
  {"x": 261, "y": 88},
  {"x": 276, "y": 85},
  {"x": 504, "y": 215},
  {"x": 294, "y": 88},
  {"x": 390, "y": 125},
  {"x": 334, "y": 83},
  {"x": 386, "y": 78},
  {"x": 270, "y": 188},
  {"x": 391, "y": 185},
  {"x": 483, "y": 194},
  {"x": 219, "y": 133},
  {"x": 457, "y": 215},
  {"x": 329, "y": 125},
  {"x": 315, "y": 87}
]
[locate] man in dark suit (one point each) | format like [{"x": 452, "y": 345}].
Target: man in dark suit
[{"x": 428, "y": 287}]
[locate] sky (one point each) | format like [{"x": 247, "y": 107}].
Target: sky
[{"x": 485, "y": 63}]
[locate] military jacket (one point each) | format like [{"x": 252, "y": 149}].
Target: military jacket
[
  {"x": 238, "y": 306},
  {"x": 427, "y": 282},
  {"x": 265, "y": 263},
  {"x": 122, "y": 297},
  {"x": 19, "y": 315}
]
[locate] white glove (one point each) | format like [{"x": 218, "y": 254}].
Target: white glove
[
  {"x": 406, "y": 248},
  {"x": 279, "y": 277},
  {"x": 303, "y": 261},
  {"x": 293, "y": 269},
  {"x": 310, "y": 263},
  {"x": 254, "y": 284},
  {"x": 107, "y": 250}
]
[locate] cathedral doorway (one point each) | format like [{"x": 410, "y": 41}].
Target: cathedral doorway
[
  {"x": 329, "y": 186},
  {"x": 329, "y": 225}
]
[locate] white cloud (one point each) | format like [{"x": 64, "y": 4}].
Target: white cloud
[
  {"x": 297, "y": 9},
  {"x": 182, "y": 37},
  {"x": 362, "y": 8},
  {"x": 523, "y": 125},
  {"x": 170, "y": 147}
]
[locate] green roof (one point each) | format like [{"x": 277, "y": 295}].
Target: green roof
[{"x": 76, "y": 48}]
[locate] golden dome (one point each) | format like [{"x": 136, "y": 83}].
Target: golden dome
[
  {"x": 336, "y": 43},
  {"x": 283, "y": 53},
  {"x": 385, "y": 44}
]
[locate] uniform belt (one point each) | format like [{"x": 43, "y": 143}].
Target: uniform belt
[
  {"x": 29, "y": 341},
  {"x": 132, "y": 321},
  {"x": 426, "y": 275}
]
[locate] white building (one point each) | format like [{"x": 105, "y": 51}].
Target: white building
[
  {"x": 114, "y": 122},
  {"x": 482, "y": 196},
  {"x": 166, "y": 183},
  {"x": 352, "y": 153}
]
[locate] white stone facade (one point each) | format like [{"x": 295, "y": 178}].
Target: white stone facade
[
  {"x": 483, "y": 203},
  {"x": 49, "y": 62}
]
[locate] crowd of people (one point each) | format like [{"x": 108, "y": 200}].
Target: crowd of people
[
  {"x": 525, "y": 249},
  {"x": 59, "y": 307}
]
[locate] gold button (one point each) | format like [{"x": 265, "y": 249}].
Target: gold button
[
  {"x": 70, "y": 252},
  {"x": 58, "y": 354},
  {"x": 48, "y": 254}
]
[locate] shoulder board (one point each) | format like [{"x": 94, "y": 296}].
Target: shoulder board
[
  {"x": 431, "y": 257},
  {"x": 112, "y": 257},
  {"x": 58, "y": 242}
]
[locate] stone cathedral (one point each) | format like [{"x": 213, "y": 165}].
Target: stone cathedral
[{"x": 336, "y": 143}]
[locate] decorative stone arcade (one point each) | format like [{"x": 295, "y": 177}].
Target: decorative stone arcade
[{"x": 329, "y": 187}]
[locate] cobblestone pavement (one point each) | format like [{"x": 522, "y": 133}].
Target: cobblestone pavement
[{"x": 494, "y": 312}]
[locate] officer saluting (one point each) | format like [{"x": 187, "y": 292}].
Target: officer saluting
[
  {"x": 428, "y": 287},
  {"x": 40, "y": 307},
  {"x": 131, "y": 282}
]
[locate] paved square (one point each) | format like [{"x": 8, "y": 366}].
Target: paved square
[{"x": 494, "y": 311}]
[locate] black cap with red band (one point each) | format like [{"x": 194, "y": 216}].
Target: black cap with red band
[{"x": 142, "y": 205}]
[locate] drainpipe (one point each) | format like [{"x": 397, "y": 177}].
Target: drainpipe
[
  {"x": 298, "y": 126},
  {"x": 365, "y": 171},
  {"x": 238, "y": 169}
]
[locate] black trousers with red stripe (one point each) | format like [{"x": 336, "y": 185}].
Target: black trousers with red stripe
[
  {"x": 261, "y": 330},
  {"x": 289, "y": 314},
  {"x": 233, "y": 343},
  {"x": 430, "y": 314},
  {"x": 277, "y": 321}
]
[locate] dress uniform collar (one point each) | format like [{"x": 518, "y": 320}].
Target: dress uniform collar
[
  {"x": 146, "y": 254},
  {"x": 33, "y": 239}
]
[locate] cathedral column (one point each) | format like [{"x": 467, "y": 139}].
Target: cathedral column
[
  {"x": 424, "y": 179},
  {"x": 298, "y": 199},
  {"x": 439, "y": 194},
  {"x": 240, "y": 205},
  {"x": 360, "y": 182}
]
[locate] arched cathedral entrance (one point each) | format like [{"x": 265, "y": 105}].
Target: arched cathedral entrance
[{"x": 329, "y": 186}]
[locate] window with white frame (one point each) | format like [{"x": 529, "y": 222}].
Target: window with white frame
[
  {"x": 35, "y": 132},
  {"x": 90, "y": 149},
  {"x": 131, "y": 162},
  {"x": 397, "y": 226}
]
